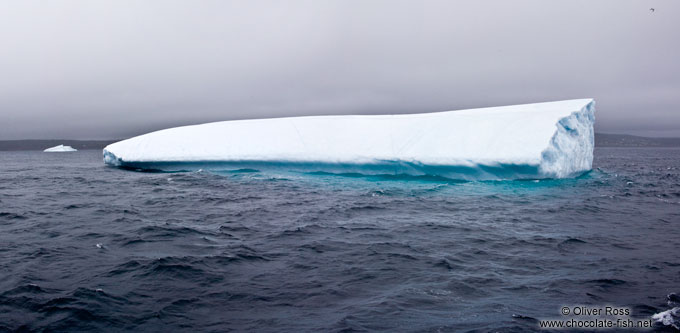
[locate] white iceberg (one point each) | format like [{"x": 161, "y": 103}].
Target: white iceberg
[
  {"x": 543, "y": 140},
  {"x": 60, "y": 149}
]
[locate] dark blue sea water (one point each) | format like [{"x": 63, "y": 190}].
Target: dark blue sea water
[{"x": 85, "y": 247}]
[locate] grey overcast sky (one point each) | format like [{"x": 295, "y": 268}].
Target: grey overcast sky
[{"x": 113, "y": 69}]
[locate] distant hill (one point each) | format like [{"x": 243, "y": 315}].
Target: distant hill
[
  {"x": 601, "y": 140},
  {"x": 624, "y": 140},
  {"x": 9, "y": 145}
]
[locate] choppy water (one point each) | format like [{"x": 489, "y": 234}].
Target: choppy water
[{"x": 89, "y": 247}]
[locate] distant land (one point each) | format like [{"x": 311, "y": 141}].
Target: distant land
[
  {"x": 13, "y": 145},
  {"x": 601, "y": 140},
  {"x": 624, "y": 140}
]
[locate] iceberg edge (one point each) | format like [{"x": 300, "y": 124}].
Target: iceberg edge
[{"x": 570, "y": 152}]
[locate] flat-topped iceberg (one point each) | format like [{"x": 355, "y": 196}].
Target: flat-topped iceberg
[
  {"x": 543, "y": 140},
  {"x": 60, "y": 149}
]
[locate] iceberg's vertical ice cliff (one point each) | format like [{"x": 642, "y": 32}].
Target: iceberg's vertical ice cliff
[{"x": 543, "y": 140}]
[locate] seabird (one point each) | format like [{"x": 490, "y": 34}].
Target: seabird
[{"x": 652, "y": 9}]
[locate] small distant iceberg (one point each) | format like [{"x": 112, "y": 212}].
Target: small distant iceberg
[
  {"x": 531, "y": 141},
  {"x": 60, "y": 149}
]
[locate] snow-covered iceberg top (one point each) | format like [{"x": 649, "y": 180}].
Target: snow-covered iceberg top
[
  {"x": 543, "y": 140},
  {"x": 60, "y": 149}
]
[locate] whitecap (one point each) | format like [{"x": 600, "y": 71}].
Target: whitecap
[{"x": 669, "y": 317}]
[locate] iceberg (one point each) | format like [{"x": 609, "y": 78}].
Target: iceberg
[
  {"x": 531, "y": 141},
  {"x": 60, "y": 149}
]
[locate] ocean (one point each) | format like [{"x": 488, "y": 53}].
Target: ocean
[{"x": 86, "y": 247}]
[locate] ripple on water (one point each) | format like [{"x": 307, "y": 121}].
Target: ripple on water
[{"x": 254, "y": 250}]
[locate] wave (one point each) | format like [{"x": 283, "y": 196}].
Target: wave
[{"x": 670, "y": 317}]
